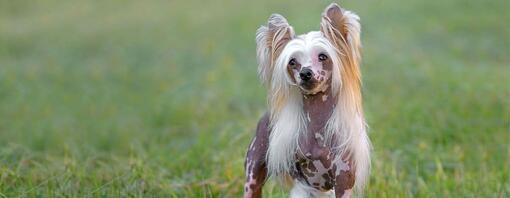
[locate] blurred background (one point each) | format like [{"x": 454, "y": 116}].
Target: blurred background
[{"x": 161, "y": 98}]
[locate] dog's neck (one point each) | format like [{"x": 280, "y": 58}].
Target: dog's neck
[{"x": 318, "y": 109}]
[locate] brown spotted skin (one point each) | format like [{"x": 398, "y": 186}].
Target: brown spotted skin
[
  {"x": 344, "y": 183},
  {"x": 314, "y": 164},
  {"x": 255, "y": 164}
]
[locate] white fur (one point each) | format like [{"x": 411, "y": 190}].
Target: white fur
[
  {"x": 287, "y": 125},
  {"x": 277, "y": 28},
  {"x": 347, "y": 122},
  {"x": 301, "y": 190}
]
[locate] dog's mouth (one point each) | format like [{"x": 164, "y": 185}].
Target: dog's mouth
[
  {"x": 314, "y": 86},
  {"x": 311, "y": 88},
  {"x": 307, "y": 85}
]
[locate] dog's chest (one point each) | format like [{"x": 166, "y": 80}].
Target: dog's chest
[
  {"x": 316, "y": 164},
  {"x": 315, "y": 167}
]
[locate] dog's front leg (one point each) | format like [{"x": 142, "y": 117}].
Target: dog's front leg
[
  {"x": 344, "y": 182},
  {"x": 255, "y": 164},
  {"x": 255, "y": 177}
]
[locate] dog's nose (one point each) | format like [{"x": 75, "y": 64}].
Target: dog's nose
[{"x": 305, "y": 74}]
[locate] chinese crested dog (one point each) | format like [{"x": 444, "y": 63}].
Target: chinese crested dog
[{"x": 314, "y": 133}]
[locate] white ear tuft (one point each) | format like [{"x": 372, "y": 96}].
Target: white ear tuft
[
  {"x": 270, "y": 41},
  {"x": 343, "y": 29}
]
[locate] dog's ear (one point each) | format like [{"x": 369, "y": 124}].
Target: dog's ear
[
  {"x": 341, "y": 27},
  {"x": 271, "y": 39}
]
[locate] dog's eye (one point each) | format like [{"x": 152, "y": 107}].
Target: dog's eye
[
  {"x": 292, "y": 62},
  {"x": 323, "y": 57}
]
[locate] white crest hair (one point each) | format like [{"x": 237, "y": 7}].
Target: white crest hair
[{"x": 287, "y": 121}]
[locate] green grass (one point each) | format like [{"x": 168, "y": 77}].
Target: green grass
[{"x": 161, "y": 98}]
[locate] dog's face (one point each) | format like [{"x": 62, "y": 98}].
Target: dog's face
[{"x": 308, "y": 62}]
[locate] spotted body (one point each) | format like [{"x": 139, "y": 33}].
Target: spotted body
[{"x": 317, "y": 168}]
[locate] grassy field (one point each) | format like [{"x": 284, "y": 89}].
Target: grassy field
[{"x": 161, "y": 98}]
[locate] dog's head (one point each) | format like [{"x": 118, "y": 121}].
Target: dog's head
[
  {"x": 308, "y": 63},
  {"x": 312, "y": 62}
]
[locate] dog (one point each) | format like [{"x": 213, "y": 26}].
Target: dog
[{"x": 314, "y": 131}]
